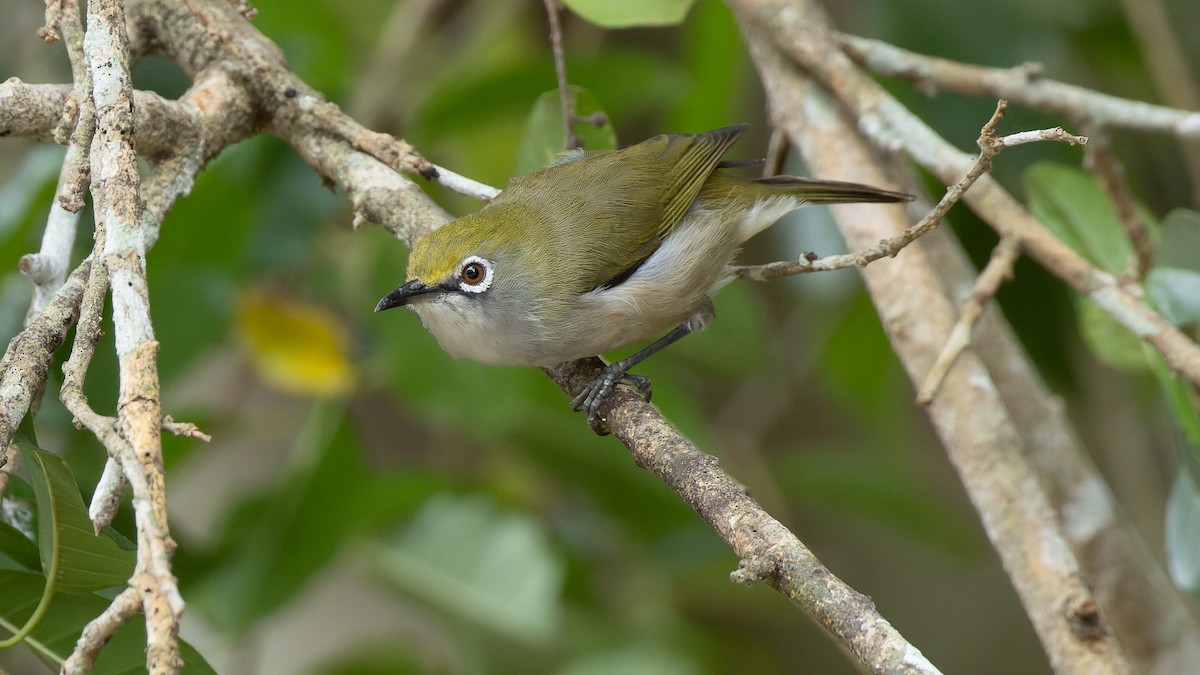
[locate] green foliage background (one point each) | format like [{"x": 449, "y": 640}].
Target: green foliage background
[{"x": 449, "y": 517}]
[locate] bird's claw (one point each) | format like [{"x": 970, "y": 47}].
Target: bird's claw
[{"x": 594, "y": 393}]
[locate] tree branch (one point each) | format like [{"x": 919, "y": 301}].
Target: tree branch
[
  {"x": 767, "y": 550},
  {"x": 969, "y": 415}
]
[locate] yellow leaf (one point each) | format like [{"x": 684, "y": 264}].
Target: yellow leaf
[{"x": 295, "y": 346}]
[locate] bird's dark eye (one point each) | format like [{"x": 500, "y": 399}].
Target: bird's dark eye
[{"x": 474, "y": 273}]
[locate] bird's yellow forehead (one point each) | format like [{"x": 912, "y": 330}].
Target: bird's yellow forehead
[{"x": 438, "y": 254}]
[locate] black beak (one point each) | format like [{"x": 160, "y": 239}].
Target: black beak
[{"x": 404, "y": 294}]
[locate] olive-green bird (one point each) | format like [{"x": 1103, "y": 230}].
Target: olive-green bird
[{"x": 600, "y": 250}]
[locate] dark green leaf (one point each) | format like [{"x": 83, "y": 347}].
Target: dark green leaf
[
  {"x": 74, "y": 557},
  {"x": 56, "y": 634}
]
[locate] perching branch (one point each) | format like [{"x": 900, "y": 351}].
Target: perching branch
[{"x": 766, "y": 549}]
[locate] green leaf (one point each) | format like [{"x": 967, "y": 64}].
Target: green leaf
[
  {"x": 1183, "y": 533},
  {"x": 1110, "y": 341},
  {"x": 628, "y": 13},
  {"x": 495, "y": 570},
  {"x": 56, "y": 634},
  {"x": 1176, "y": 293},
  {"x": 1077, "y": 211},
  {"x": 542, "y": 140},
  {"x": 72, "y": 555},
  {"x": 18, "y": 547},
  {"x": 279, "y": 542},
  {"x": 1180, "y": 241}
]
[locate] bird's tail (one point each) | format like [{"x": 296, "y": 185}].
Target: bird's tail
[{"x": 816, "y": 191}]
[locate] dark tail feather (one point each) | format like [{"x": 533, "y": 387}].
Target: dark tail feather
[{"x": 817, "y": 191}]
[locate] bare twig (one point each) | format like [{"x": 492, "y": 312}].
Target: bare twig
[
  {"x": 47, "y": 268},
  {"x": 391, "y": 151},
  {"x": 570, "y": 140},
  {"x": 989, "y": 145},
  {"x": 465, "y": 186},
  {"x": 97, "y": 633},
  {"x": 1111, "y": 176},
  {"x": 998, "y": 269},
  {"x": 184, "y": 429},
  {"x": 27, "y": 361},
  {"x": 1024, "y": 85}
]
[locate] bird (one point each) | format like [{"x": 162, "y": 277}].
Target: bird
[{"x": 600, "y": 250}]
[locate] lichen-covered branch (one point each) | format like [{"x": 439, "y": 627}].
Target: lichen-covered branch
[{"x": 768, "y": 551}]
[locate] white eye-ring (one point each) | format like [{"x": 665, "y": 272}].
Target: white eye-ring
[{"x": 474, "y": 274}]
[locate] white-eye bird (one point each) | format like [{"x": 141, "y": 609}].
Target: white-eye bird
[{"x": 597, "y": 251}]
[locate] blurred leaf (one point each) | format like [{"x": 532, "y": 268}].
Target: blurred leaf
[
  {"x": 717, "y": 58},
  {"x": 1180, "y": 241},
  {"x": 1110, "y": 341},
  {"x": 628, "y": 13},
  {"x": 495, "y": 570},
  {"x": 635, "y": 660},
  {"x": 299, "y": 529},
  {"x": 509, "y": 87},
  {"x": 1176, "y": 293},
  {"x": 543, "y": 139},
  {"x": 1077, "y": 211},
  {"x": 55, "y": 636},
  {"x": 75, "y": 559},
  {"x": 295, "y": 346},
  {"x": 868, "y": 487},
  {"x": 1183, "y": 533}
]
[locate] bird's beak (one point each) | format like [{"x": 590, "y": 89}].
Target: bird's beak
[{"x": 404, "y": 294}]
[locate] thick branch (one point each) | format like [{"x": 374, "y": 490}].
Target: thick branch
[
  {"x": 969, "y": 415},
  {"x": 768, "y": 551}
]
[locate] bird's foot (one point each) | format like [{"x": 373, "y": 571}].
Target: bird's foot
[{"x": 594, "y": 393}]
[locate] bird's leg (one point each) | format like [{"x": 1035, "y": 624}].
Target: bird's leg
[{"x": 618, "y": 372}]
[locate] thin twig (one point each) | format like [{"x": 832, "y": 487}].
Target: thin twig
[
  {"x": 184, "y": 429},
  {"x": 1024, "y": 85},
  {"x": 47, "y": 268},
  {"x": 570, "y": 140},
  {"x": 1110, "y": 174},
  {"x": 100, "y": 630},
  {"x": 998, "y": 269},
  {"x": 989, "y": 145}
]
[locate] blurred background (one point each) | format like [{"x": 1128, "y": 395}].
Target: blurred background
[{"x": 369, "y": 505}]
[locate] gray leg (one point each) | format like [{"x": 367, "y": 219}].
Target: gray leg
[{"x": 594, "y": 393}]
